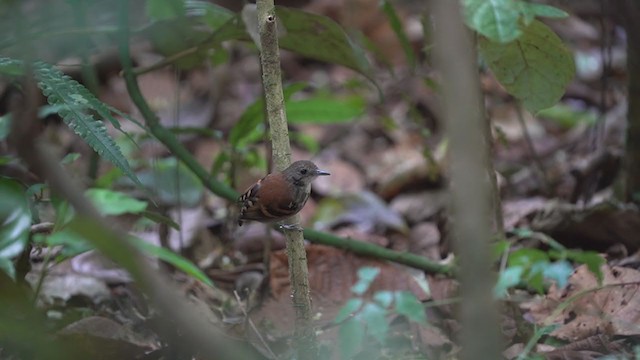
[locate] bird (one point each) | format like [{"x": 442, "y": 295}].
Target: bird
[{"x": 279, "y": 195}]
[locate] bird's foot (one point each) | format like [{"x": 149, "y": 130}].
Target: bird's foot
[{"x": 291, "y": 227}]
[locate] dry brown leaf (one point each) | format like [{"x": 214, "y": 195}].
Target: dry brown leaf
[
  {"x": 332, "y": 273},
  {"x": 612, "y": 308}
]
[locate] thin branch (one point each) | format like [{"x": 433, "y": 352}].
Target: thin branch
[
  {"x": 537, "y": 161},
  {"x": 253, "y": 326},
  {"x": 305, "y": 344}
]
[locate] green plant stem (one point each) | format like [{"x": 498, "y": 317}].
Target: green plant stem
[
  {"x": 305, "y": 337},
  {"x": 368, "y": 249},
  {"x": 166, "y": 136}
]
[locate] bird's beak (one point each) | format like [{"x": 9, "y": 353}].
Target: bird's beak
[{"x": 322, "y": 172}]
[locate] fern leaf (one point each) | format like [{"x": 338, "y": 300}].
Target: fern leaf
[
  {"x": 74, "y": 99},
  {"x": 104, "y": 110}
]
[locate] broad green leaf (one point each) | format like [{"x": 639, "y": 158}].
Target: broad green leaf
[
  {"x": 318, "y": 37},
  {"x": 591, "y": 259},
  {"x": 15, "y": 221},
  {"x": 219, "y": 56},
  {"x": 86, "y": 227},
  {"x": 523, "y": 232},
  {"x": 70, "y": 158},
  {"x": 64, "y": 212},
  {"x": 558, "y": 271},
  {"x": 534, "y": 276},
  {"x": 324, "y": 110},
  {"x": 384, "y": 298},
  {"x": 396, "y": 26},
  {"x": 306, "y": 141},
  {"x": 351, "y": 306},
  {"x": 494, "y": 19},
  {"x": 408, "y": 305},
  {"x": 107, "y": 179},
  {"x": 250, "y": 119},
  {"x": 510, "y": 277},
  {"x": 567, "y": 116},
  {"x": 535, "y": 68},
  {"x": 366, "y": 275},
  {"x": 374, "y": 316},
  {"x": 35, "y": 190},
  {"x": 175, "y": 35},
  {"x": 172, "y": 182},
  {"x": 110, "y": 202},
  {"x": 232, "y": 29},
  {"x": 253, "y": 116},
  {"x": 165, "y": 9},
  {"x": 531, "y": 10},
  {"x": 499, "y": 248},
  {"x": 72, "y": 244},
  {"x": 527, "y": 257},
  {"x": 172, "y": 258},
  {"x": 212, "y": 15},
  {"x": 207, "y": 27},
  {"x": 350, "y": 337}
]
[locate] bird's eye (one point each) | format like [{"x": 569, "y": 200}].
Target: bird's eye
[{"x": 303, "y": 171}]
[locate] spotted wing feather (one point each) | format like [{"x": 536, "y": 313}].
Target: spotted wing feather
[{"x": 270, "y": 199}]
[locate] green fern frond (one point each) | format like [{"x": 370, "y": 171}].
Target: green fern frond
[
  {"x": 73, "y": 101},
  {"x": 102, "y": 109}
]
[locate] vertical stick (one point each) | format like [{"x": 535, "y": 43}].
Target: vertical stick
[
  {"x": 455, "y": 58},
  {"x": 274, "y": 100}
]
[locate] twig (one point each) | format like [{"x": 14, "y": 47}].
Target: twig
[
  {"x": 253, "y": 326},
  {"x": 45, "y": 227},
  {"x": 43, "y": 275},
  {"x": 538, "y": 165}
]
